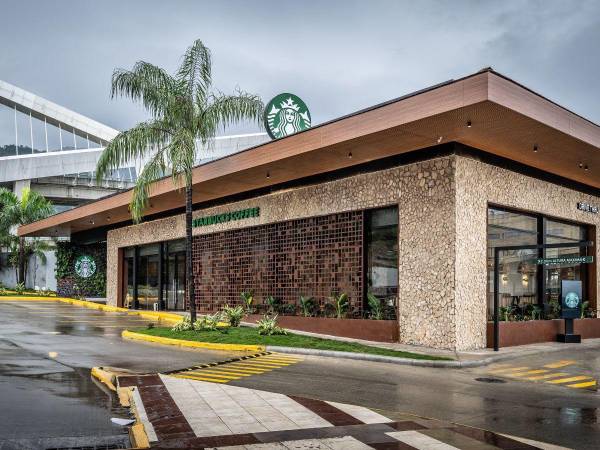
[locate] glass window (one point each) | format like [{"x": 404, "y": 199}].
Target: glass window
[
  {"x": 558, "y": 233},
  {"x": 382, "y": 253},
  {"x": 518, "y": 268}
]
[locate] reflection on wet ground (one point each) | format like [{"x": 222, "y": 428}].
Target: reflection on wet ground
[{"x": 47, "y": 396}]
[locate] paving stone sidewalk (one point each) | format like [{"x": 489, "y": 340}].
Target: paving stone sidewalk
[{"x": 187, "y": 414}]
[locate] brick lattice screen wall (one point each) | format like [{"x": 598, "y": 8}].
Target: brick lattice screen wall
[{"x": 299, "y": 257}]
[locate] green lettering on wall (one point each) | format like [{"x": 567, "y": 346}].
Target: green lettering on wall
[{"x": 226, "y": 217}]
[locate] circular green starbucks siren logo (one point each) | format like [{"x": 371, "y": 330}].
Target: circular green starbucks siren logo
[
  {"x": 286, "y": 114},
  {"x": 572, "y": 300},
  {"x": 85, "y": 266}
]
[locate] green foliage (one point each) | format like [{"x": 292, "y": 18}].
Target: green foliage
[
  {"x": 183, "y": 110},
  {"x": 234, "y": 315},
  {"x": 184, "y": 325},
  {"x": 20, "y": 288},
  {"x": 341, "y": 304},
  {"x": 66, "y": 255},
  {"x": 375, "y": 306},
  {"x": 307, "y": 306},
  {"x": 208, "y": 322},
  {"x": 248, "y": 299},
  {"x": 584, "y": 307},
  {"x": 272, "y": 304},
  {"x": 16, "y": 211},
  {"x": 267, "y": 326}
]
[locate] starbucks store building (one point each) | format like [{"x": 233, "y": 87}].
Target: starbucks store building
[{"x": 432, "y": 212}]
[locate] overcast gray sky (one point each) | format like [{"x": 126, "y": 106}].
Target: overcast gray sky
[{"x": 339, "y": 56}]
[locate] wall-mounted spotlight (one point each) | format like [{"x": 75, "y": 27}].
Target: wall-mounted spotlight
[
  {"x": 586, "y": 168},
  {"x": 535, "y": 148},
  {"x": 439, "y": 139},
  {"x": 268, "y": 175},
  {"x": 469, "y": 124},
  {"x": 581, "y": 165},
  {"x": 350, "y": 155}
]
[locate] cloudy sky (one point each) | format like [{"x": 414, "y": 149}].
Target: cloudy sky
[{"x": 339, "y": 56}]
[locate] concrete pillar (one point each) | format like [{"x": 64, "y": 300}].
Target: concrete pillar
[{"x": 20, "y": 185}]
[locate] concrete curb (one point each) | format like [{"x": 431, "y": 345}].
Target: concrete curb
[
  {"x": 453, "y": 364},
  {"x": 126, "y": 334},
  {"x": 153, "y": 315}
]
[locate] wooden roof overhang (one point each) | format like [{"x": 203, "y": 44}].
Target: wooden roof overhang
[{"x": 506, "y": 119}]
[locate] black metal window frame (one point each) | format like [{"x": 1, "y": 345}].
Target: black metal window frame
[{"x": 541, "y": 241}]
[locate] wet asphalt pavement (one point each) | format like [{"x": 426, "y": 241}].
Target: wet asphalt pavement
[
  {"x": 47, "y": 396},
  {"x": 50, "y": 395}
]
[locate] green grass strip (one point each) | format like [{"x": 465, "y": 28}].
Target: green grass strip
[{"x": 247, "y": 335}]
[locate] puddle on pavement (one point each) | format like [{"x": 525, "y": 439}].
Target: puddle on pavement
[{"x": 57, "y": 407}]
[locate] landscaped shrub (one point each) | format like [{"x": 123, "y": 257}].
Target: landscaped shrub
[
  {"x": 272, "y": 304},
  {"x": 267, "y": 326},
  {"x": 341, "y": 304},
  {"x": 375, "y": 307},
  {"x": 307, "y": 306},
  {"x": 20, "y": 288},
  {"x": 234, "y": 315},
  {"x": 248, "y": 299},
  {"x": 184, "y": 325}
]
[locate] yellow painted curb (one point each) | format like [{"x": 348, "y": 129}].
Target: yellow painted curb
[
  {"x": 152, "y": 315},
  {"x": 138, "y": 437},
  {"x": 104, "y": 377},
  {"x": 192, "y": 344}
]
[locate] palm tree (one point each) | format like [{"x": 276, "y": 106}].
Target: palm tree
[
  {"x": 184, "y": 113},
  {"x": 14, "y": 212}
]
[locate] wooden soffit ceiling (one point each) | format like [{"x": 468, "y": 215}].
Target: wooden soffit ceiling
[{"x": 506, "y": 119}]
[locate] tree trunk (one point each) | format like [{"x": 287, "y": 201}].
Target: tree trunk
[
  {"x": 21, "y": 261},
  {"x": 188, "y": 253}
]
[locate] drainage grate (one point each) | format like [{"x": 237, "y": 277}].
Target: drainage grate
[
  {"x": 91, "y": 447},
  {"x": 490, "y": 380}
]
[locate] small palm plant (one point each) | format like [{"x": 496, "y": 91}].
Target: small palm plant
[
  {"x": 248, "y": 299},
  {"x": 272, "y": 304},
  {"x": 307, "y": 305},
  {"x": 375, "y": 306},
  {"x": 184, "y": 112},
  {"x": 341, "y": 304}
]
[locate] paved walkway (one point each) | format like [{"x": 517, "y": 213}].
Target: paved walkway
[{"x": 184, "y": 413}]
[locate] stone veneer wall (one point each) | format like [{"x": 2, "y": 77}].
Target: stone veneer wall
[
  {"x": 424, "y": 193},
  {"x": 477, "y": 186}
]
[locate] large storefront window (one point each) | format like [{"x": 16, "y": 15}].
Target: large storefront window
[
  {"x": 558, "y": 233},
  {"x": 154, "y": 276},
  {"x": 382, "y": 253},
  {"x": 526, "y": 290}
]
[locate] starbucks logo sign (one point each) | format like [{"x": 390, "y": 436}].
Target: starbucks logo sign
[
  {"x": 572, "y": 300},
  {"x": 85, "y": 266},
  {"x": 286, "y": 114}
]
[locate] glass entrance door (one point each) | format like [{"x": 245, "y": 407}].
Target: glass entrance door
[{"x": 175, "y": 277}]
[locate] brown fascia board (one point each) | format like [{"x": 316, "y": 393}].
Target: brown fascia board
[{"x": 478, "y": 88}]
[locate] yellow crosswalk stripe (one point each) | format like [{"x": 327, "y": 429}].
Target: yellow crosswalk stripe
[
  {"x": 585, "y": 384},
  {"x": 568, "y": 380},
  {"x": 225, "y": 372},
  {"x": 561, "y": 363},
  {"x": 529, "y": 372},
  {"x": 259, "y": 366},
  {"x": 246, "y": 369},
  {"x": 210, "y": 375},
  {"x": 545, "y": 377},
  {"x": 201, "y": 378}
]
